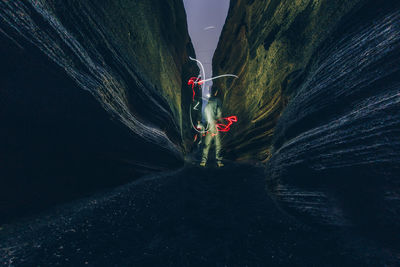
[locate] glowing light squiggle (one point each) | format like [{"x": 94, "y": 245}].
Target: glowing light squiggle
[
  {"x": 220, "y": 76},
  {"x": 226, "y": 127},
  {"x": 193, "y": 81},
  {"x": 194, "y": 127},
  {"x": 199, "y": 81},
  {"x": 203, "y": 73}
]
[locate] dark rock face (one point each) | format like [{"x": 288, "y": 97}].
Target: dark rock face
[
  {"x": 337, "y": 142},
  {"x": 91, "y": 95},
  {"x": 318, "y": 95}
]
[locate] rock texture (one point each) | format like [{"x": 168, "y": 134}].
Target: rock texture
[
  {"x": 318, "y": 98},
  {"x": 91, "y": 95}
]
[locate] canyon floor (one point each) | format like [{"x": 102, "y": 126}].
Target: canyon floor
[{"x": 189, "y": 217}]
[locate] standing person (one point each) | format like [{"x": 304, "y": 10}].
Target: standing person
[{"x": 212, "y": 113}]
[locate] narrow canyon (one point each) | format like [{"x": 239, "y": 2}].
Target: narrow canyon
[{"x": 97, "y": 162}]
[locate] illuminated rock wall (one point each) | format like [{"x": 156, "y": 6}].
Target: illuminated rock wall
[
  {"x": 318, "y": 100},
  {"x": 91, "y": 95}
]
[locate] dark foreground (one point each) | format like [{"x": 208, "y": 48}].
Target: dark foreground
[{"x": 191, "y": 217}]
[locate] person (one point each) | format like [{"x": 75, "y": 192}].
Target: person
[{"x": 212, "y": 113}]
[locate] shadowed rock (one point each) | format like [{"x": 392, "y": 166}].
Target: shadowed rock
[
  {"x": 91, "y": 95},
  {"x": 190, "y": 217},
  {"x": 318, "y": 98}
]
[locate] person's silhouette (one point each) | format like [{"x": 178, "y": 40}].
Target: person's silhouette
[{"x": 212, "y": 113}]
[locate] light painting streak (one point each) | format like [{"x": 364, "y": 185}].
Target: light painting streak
[
  {"x": 209, "y": 28},
  {"x": 220, "y": 76},
  {"x": 193, "y": 81},
  {"x": 226, "y": 127},
  {"x": 194, "y": 127},
  {"x": 203, "y": 73}
]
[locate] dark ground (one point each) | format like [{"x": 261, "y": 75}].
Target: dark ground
[{"x": 190, "y": 217}]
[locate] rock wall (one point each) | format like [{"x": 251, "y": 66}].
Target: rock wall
[
  {"x": 318, "y": 99},
  {"x": 91, "y": 95},
  {"x": 268, "y": 44}
]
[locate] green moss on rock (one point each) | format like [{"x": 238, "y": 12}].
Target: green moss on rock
[{"x": 269, "y": 44}]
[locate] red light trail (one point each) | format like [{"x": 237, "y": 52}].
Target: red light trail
[
  {"x": 193, "y": 81},
  {"x": 226, "y": 127}
]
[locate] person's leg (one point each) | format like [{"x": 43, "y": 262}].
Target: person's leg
[
  {"x": 218, "y": 148},
  {"x": 207, "y": 144}
]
